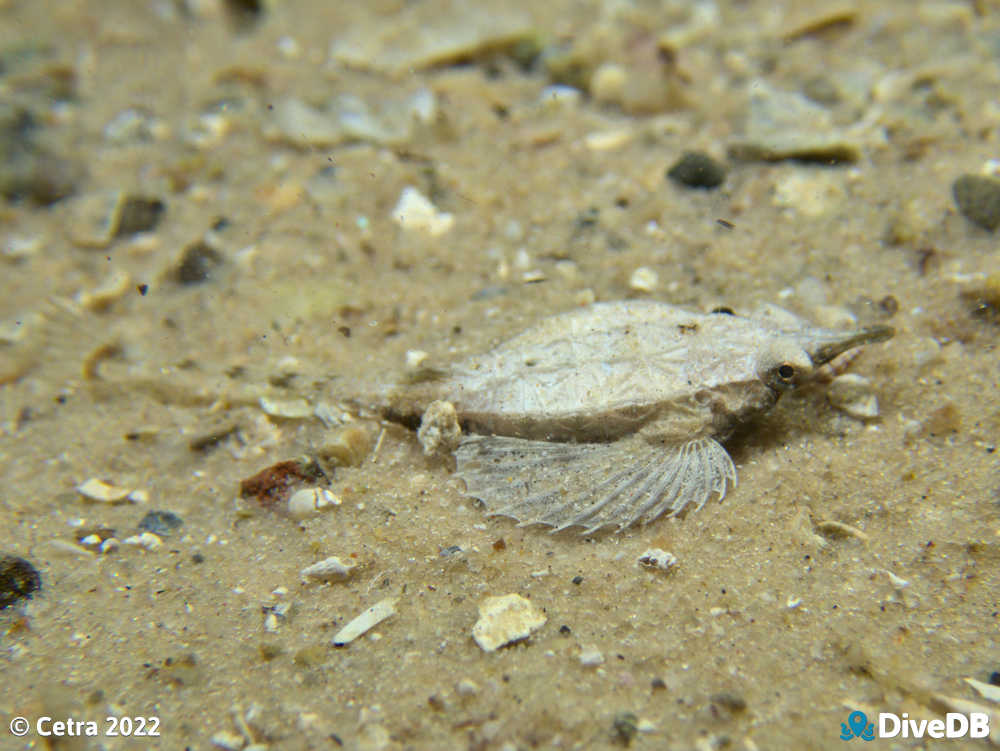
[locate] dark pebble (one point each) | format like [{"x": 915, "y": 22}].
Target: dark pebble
[
  {"x": 139, "y": 214},
  {"x": 244, "y": 14},
  {"x": 29, "y": 170},
  {"x": 978, "y": 198},
  {"x": 822, "y": 91},
  {"x": 197, "y": 263},
  {"x": 18, "y": 580},
  {"x": 995, "y": 678},
  {"x": 732, "y": 702},
  {"x": 697, "y": 170},
  {"x": 161, "y": 523},
  {"x": 625, "y": 726},
  {"x": 889, "y": 305}
]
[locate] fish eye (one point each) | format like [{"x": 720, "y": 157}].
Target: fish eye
[{"x": 783, "y": 376}]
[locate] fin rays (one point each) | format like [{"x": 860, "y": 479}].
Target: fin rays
[{"x": 591, "y": 485}]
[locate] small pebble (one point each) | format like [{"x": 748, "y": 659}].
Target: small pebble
[
  {"x": 466, "y": 688},
  {"x": 18, "y": 580},
  {"x": 591, "y": 657},
  {"x": 161, "y": 523},
  {"x": 439, "y": 430},
  {"x": 109, "y": 545},
  {"x": 506, "y": 619},
  {"x": 139, "y": 495},
  {"x": 853, "y": 395},
  {"x": 978, "y": 198},
  {"x": 329, "y": 569},
  {"x": 625, "y": 726},
  {"x": 608, "y": 82},
  {"x": 658, "y": 558},
  {"x": 821, "y": 90},
  {"x": 812, "y": 193},
  {"x": 697, "y": 170},
  {"x": 786, "y": 125},
  {"x": 29, "y": 170},
  {"x": 414, "y": 211},
  {"x": 644, "y": 279},
  {"x": 146, "y": 540},
  {"x": 197, "y": 263},
  {"x": 139, "y": 214},
  {"x": 608, "y": 140},
  {"x": 228, "y": 741},
  {"x": 415, "y": 359}
]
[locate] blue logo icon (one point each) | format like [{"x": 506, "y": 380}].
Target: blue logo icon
[{"x": 857, "y": 726}]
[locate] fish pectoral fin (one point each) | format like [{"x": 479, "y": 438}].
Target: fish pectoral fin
[{"x": 591, "y": 485}]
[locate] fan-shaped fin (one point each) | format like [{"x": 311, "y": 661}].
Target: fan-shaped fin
[{"x": 591, "y": 485}]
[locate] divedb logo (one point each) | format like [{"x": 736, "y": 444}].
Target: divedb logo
[{"x": 954, "y": 725}]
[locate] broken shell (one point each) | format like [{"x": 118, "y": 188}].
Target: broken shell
[
  {"x": 591, "y": 657},
  {"x": 287, "y": 409},
  {"x": 415, "y": 359},
  {"x": 414, "y": 211},
  {"x": 347, "y": 446},
  {"x": 146, "y": 540},
  {"x": 367, "y": 620},
  {"x": 644, "y": 279},
  {"x": 328, "y": 569},
  {"x": 853, "y": 395},
  {"x": 310, "y": 501},
  {"x": 506, "y": 619},
  {"x": 97, "y": 490}
]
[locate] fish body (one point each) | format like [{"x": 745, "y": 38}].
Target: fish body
[{"x": 613, "y": 413}]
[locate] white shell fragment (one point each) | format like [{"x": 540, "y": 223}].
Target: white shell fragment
[
  {"x": 147, "y": 540},
  {"x": 415, "y": 359},
  {"x": 644, "y": 279},
  {"x": 308, "y": 502},
  {"x": 288, "y": 409},
  {"x": 506, "y": 619},
  {"x": 329, "y": 569},
  {"x": 658, "y": 558},
  {"x": 367, "y": 620},
  {"x": 986, "y": 690},
  {"x": 414, "y": 211},
  {"x": 591, "y": 657},
  {"x": 102, "y": 492},
  {"x": 613, "y": 414},
  {"x": 853, "y": 395}
]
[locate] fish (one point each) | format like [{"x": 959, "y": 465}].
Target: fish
[{"x": 616, "y": 413}]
